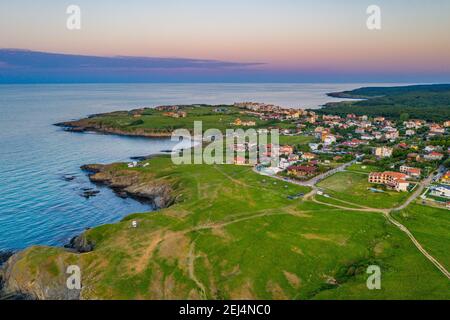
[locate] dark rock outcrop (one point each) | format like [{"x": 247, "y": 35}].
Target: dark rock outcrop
[
  {"x": 85, "y": 125},
  {"x": 159, "y": 193},
  {"x": 20, "y": 283},
  {"x": 80, "y": 244},
  {"x": 89, "y": 193},
  {"x": 4, "y": 256},
  {"x": 7, "y": 259}
]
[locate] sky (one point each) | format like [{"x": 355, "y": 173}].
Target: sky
[{"x": 241, "y": 40}]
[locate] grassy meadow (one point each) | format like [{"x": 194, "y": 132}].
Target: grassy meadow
[
  {"x": 363, "y": 168},
  {"x": 152, "y": 120},
  {"x": 234, "y": 234},
  {"x": 353, "y": 187},
  {"x": 431, "y": 227}
]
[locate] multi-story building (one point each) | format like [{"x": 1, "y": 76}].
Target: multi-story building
[
  {"x": 327, "y": 117},
  {"x": 302, "y": 171},
  {"x": 240, "y": 161},
  {"x": 410, "y": 171},
  {"x": 413, "y": 124},
  {"x": 328, "y": 139},
  {"x": 391, "y": 135},
  {"x": 178, "y": 114},
  {"x": 383, "y": 152},
  {"x": 441, "y": 191},
  {"x": 239, "y": 122},
  {"x": 354, "y": 143},
  {"x": 433, "y": 156},
  {"x": 436, "y": 129},
  {"x": 286, "y": 150},
  {"x": 312, "y": 118},
  {"x": 394, "y": 180},
  {"x": 308, "y": 156}
]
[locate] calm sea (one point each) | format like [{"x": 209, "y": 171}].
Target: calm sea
[{"x": 37, "y": 205}]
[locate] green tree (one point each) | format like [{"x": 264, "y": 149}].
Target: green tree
[
  {"x": 447, "y": 163},
  {"x": 404, "y": 117}
]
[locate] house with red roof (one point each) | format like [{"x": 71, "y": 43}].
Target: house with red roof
[
  {"x": 393, "y": 180},
  {"x": 302, "y": 171},
  {"x": 410, "y": 171},
  {"x": 239, "y": 161},
  {"x": 433, "y": 156}
]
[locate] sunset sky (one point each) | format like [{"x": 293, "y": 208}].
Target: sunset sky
[{"x": 279, "y": 40}]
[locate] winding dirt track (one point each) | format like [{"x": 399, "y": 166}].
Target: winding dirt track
[
  {"x": 386, "y": 212},
  {"x": 418, "y": 245},
  {"x": 160, "y": 237},
  {"x": 191, "y": 267},
  {"x": 309, "y": 196}
]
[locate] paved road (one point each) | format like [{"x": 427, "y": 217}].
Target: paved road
[
  {"x": 419, "y": 189},
  {"x": 313, "y": 181},
  {"x": 417, "y": 192}
]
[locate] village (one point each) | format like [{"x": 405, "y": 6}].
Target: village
[
  {"x": 401, "y": 153},
  {"x": 397, "y": 155}
]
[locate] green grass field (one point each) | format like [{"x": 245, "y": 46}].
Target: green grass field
[
  {"x": 154, "y": 120},
  {"x": 431, "y": 227},
  {"x": 294, "y": 140},
  {"x": 335, "y": 202},
  {"x": 234, "y": 234},
  {"x": 363, "y": 168},
  {"x": 353, "y": 187}
]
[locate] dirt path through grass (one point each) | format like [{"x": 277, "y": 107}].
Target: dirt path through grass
[
  {"x": 418, "y": 245},
  {"x": 191, "y": 267},
  {"x": 387, "y": 215}
]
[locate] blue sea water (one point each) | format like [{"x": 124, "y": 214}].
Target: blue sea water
[{"x": 37, "y": 205}]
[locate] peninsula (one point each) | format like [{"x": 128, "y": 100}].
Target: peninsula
[{"x": 351, "y": 191}]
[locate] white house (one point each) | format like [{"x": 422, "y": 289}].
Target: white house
[
  {"x": 329, "y": 139},
  {"x": 367, "y": 137},
  {"x": 441, "y": 191},
  {"x": 383, "y": 152}
]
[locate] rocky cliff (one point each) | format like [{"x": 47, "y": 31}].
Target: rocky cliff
[
  {"x": 133, "y": 184},
  {"x": 86, "y": 125},
  {"x": 40, "y": 272},
  {"x": 48, "y": 282}
]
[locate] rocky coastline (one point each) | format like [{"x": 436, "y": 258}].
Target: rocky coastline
[
  {"x": 18, "y": 285},
  {"x": 7, "y": 258},
  {"x": 11, "y": 288},
  {"x": 4, "y": 256},
  {"x": 158, "y": 193},
  {"x": 84, "y": 125}
]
